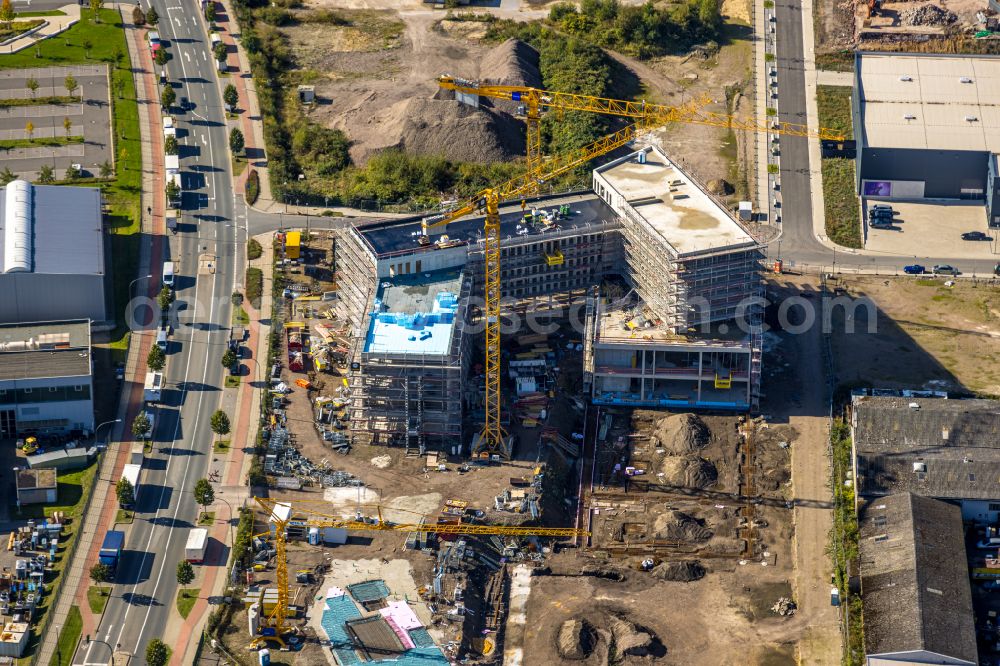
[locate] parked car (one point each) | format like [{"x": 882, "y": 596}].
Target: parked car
[
  {"x": 945, "y": 269},
  {"x": 975, "y": 236},
  {"x": 884, "y": 209},
  {"x": 914, "y": 269},
  {"x": 996, "y": 269}
]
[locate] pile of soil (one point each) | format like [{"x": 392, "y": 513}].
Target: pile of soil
[
  {"x": 927, "y": 15},
  {"x": 457, "y": 131},
  {"x": 679, "y": 526},
  {"x": 630, "y": 640},
  {"x": 513, "y": 63},
  {"x": 683, "y": 572},
  {"x": 689, "y": 472},
  {"x": 680, "y": 434},
  {"x": 577, "y": 639}
]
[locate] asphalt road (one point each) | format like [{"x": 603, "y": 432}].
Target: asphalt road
[{"x": 146, "y": 586}]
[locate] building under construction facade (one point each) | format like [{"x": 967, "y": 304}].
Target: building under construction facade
[{"x": 689, "y": 263}]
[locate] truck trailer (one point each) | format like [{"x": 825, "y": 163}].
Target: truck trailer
[
  {"x": 111, "y": 549},
  {"x": 153, "y": 390},
  {"x": 197, "y": 542}
]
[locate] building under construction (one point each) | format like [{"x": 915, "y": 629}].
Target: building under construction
[{"x": 691, "y": 266}]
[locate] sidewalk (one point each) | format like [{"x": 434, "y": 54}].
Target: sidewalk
[
  {"x": 53, "y": 26},
  {"x": 104, "y": 503},
  {"x": 812, "y": 118},
  {"x": 233, "y": 492}
]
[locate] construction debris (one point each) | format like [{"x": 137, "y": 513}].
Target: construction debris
[
  {"x": 929, "y": 14},
  {"x": 784, "y": 607}
]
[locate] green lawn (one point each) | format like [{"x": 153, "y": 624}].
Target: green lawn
[
  {"x": 185, "y": 601},
  {"x": 69, "y": 636},
  {"x": 206, "y": 518},
  {"x": 54, "y": 100},
  {"x": 232, "y": 381},
  {"x": 124, "y": 517},
  {"x": 97, "y": 597},
  {"x": 74, "y": 486},
  {"x": 47, "y": 142},
  {"x": 840, "y": 198},
  {"x": 15, "y": 28},
  {"x": 240, "y": 316},
  {"x": 51, "y": 12},
  {"x": 221, "y": 446}
]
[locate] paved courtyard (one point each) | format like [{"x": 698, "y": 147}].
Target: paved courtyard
[
  {"x": 934, "y": 229},
  {"x": 90, "y": 118}
]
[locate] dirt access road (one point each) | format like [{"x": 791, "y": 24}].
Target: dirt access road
[{"x": 795, "y": 397}]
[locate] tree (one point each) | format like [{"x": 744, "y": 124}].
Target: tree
[
  {"x": 67, "y": 125},
  {"x": 152, "y": 18},
  {"x": 125, "y": 492},
  {"x": 6, "y": 12},
  {"x": 231, "y": 97},
  {"x": 156, "y": 358},
  {"x": 71, "y": 85},
  {"x": 220, "y": 421},
  {"x": 170, "y": 145},
  {"x": 141, "y": 426},
  {"x": 46, "y": 174},
  {"x": 107, "y": 169},
  {"x": 100, "y": 573},
  {"x": 87, "y": 43},
  {"x": 96, "y": 6},
  {"x": 29, "y": 127},
  {"x": 236, "y": 143},
  {"x": 204, "y": 494},
  {"x": 116, "y": 55},
  {"x": 161, "y": 57},
  {"x": 72, "y": 172},
  {"x": 210, "y": 11},
  {"x": 185, "y": 573},
  {"x": 156, "y": 650},
  {"x": 138, "y": 17},
  {"x": 168, "y": 97},
  {"x": 221, "y": 51},
  {"x": 7, "y": 175},
  {"x": 32, "y": 85},
  {"x": 173, "y": 191},
  {"x": 165, "y": 298},
  {"x": 228, "y": 360}
]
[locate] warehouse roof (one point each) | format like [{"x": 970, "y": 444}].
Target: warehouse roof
[
  {"x": 45, "y": 350},
  {"x": 57, "y": 227},
  {"x": 680, "y": 212},
  {"x": 914, "y": 578},
  {"x": 931, "y": 446},
  {"x": 944, "y": 102}
]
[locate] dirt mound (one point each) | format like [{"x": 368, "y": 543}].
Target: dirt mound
[
  {"x": 446, "y": 128},
  {"x": 513, "y": 63},
  {"x": 683, "y": 572},
  {"x": 927, "y": 15},
  {"x": 720, "y": 186},
  {"x": 681, "y": 433},
  {"x": 688, "y": 471},
  {"x": 679, "y": 526},
  {"x": 629, "y": 639},
  {"x": 577, "y": 639}
]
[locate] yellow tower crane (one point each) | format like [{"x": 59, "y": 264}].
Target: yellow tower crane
[
  {"x": 493, "y": 439},
  {"x": 282, "y": 514}
]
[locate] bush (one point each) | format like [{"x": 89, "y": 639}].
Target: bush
[
  {"x": 138, "y": 17},
  {"x": 254, "y": 250},
  {"x": 251, "y": 189},
  {"x": 254, "y": 286}
]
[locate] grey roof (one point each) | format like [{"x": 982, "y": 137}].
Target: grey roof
[
  {"x": 395, "y": 235},
  {"x": 67, "y": 233},
  {"x": 415, "y": 293},
  {"x": 72, "y": 360},
  {"x": 914, "y": 578},
  {"x": 941, "y": 448}
]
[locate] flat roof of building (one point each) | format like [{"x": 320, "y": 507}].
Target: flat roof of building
[
  {"x": 415, "y": 314},
  {"x": 28, "y": 479},
  {"x": 390, "y": 236},
  {"x": 639, "y": 325},
  {"x": 65, "y": 230},
  {"x": 929, "y": 101},
  {"x": 45, "y": 350},
  {"x": 683, "y": 214}
]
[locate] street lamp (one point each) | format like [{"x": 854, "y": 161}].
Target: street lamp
[
  {"x": 104, "y": 424},
  {"x": 232, "y": 536},
  {"x": 144, "y": 277}
]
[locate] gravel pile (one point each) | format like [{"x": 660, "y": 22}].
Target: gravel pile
[
  {"x": 683, "y": 572},
  {"x": 927, "y": 15}
]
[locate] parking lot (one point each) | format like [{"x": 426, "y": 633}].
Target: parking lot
[
  {"x": 924, "y": 229},
  {"x": 89, "y": 118}
]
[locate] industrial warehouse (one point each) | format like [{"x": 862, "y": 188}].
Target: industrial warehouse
[{"x": 685, "y": 334}]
